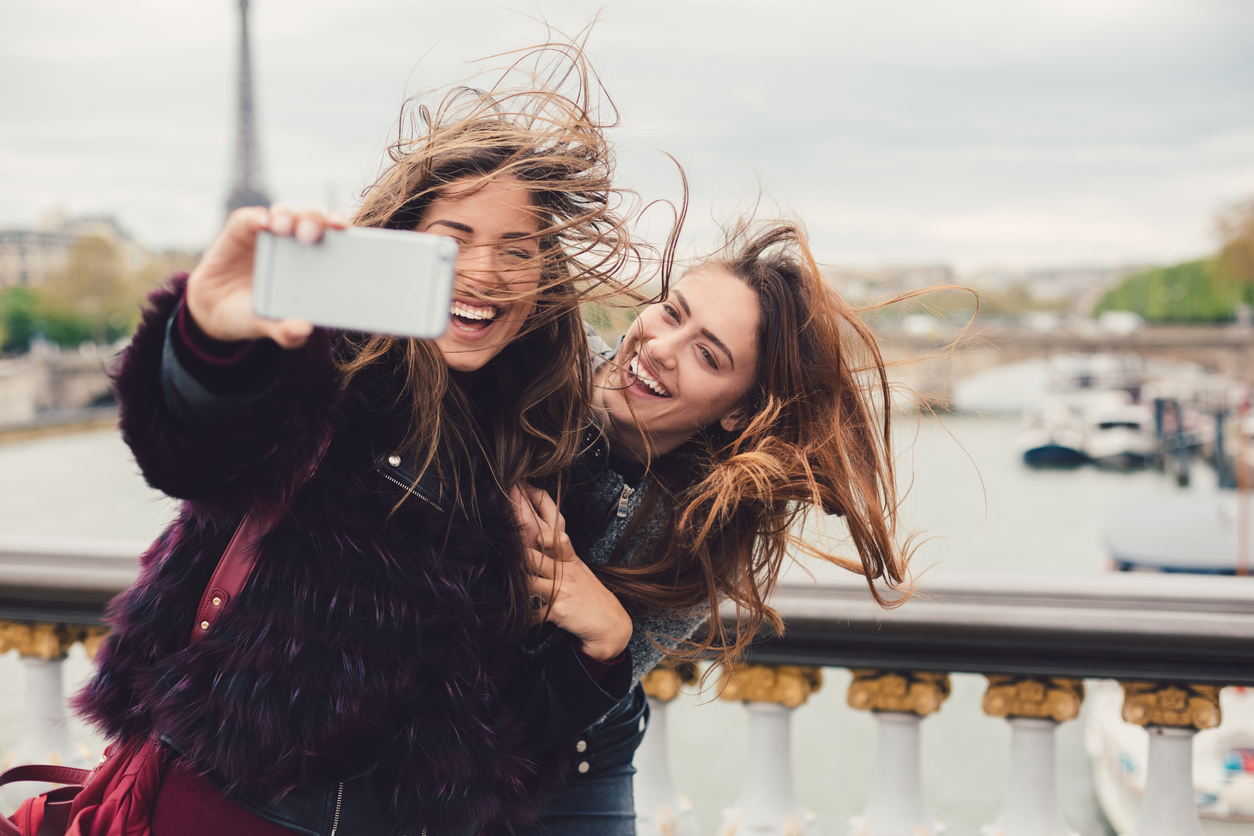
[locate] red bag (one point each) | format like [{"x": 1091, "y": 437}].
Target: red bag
[{"x": 114, "y": 799}]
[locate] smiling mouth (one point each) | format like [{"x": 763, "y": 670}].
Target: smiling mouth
[
  {"x": 473, "y": 317},
  {"x": 652, "y": 385}
]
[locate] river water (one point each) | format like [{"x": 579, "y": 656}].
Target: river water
[{"x": 975, "y": 507}]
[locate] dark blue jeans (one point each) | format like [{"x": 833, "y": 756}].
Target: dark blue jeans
[{"x": 596, "y": 798}]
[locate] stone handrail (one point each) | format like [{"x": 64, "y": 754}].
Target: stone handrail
[
  {"x": 63, "y": 580},
  {"x": 1190, "y": 628}
]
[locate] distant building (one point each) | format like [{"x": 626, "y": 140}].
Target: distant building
[{"x": 29, "y": 257}]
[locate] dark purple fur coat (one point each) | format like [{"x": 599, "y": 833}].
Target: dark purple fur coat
[{"x": 364, "y": 639}]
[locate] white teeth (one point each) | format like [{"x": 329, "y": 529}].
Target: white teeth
[
  {"x": 470, "y": 312},
  {"x": 653, "y": 385}
]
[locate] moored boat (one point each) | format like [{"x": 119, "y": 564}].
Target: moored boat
[{"x": 1184, "y": 533}]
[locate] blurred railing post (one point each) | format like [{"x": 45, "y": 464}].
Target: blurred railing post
[
  {"x": 899, "y": 701},
  {"x": 660, "y": 810},
  {"x": 45, "y": 729},
  {"x": 1034, "y": 707},
  {"x": 767, "y": 802},
  {"x": 1172, "y": 714}
]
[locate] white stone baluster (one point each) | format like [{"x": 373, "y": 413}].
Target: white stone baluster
[
  {"x": 45, "y": 730},
  {"x": 1172, "y": 714},
  {"x": 660, "y": 810},
  {"x": 767, "y": 803},
  {"x": 900, "y": 701},
  {"x": 1034, "y": 708}
]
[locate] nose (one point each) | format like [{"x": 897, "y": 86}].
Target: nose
[
  {"x": 663, "y": 349},
  {"x": 475, "y": 262}
]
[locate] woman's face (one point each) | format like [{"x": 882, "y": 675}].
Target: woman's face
[
  {"x": 498, "y": 269},
  {"x": 685, "y": 364}
]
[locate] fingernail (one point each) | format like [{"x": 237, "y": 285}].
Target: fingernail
[
  {"x": 281, "y": 224},
  {"x": 307, "y": 231}
]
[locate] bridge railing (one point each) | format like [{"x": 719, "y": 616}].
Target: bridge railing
[{"x": 1172, "y": 641}]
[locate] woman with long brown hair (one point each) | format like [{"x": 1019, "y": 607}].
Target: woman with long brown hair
[
  {"x": 371, "y": 676},
  {"x": 750, "y": 398}
]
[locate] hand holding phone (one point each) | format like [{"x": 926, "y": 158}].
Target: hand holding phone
[{"x": 220, "y": 289}]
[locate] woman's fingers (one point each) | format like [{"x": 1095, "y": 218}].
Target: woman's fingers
[
  {"x": 544, "y": 505},
  {"x": 525, "y": 515},
  {"x": 543, "y": 512},
  {"x": 282, "y": 220},
  {"x": 288, "y": 333},
  {"x": 557, "y": 545},
  {"x": 547, "y": 509},
  {"x": 543, "y": 566}
]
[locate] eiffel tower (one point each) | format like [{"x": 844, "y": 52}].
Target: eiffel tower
[{"x": 246, "y": 188}]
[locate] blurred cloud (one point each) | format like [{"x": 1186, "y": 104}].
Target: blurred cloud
[{"x": 973, "y": 131}]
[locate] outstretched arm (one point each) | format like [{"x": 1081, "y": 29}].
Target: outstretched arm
[{"x": 227, "y": 428}]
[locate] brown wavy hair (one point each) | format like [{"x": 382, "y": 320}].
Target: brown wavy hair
[
  {"x": 819, "y": 437},
  {"x": 532, "y": 398}
]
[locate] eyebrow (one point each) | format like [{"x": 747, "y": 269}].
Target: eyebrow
[
  {"x": 705, "y": 332},
  {"x": 460, "y": 227},
  {"x": 469, "y": 230}
]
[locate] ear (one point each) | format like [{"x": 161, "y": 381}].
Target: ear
[{"x": 735, "y": 421}]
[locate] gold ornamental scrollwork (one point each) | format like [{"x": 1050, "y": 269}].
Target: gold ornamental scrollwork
[
  {"x": 788, "y": 685},
  {"x": 915, "y": 692},
  {"x": 664, "y": 682},
  {"x": 48, "y": 641},
  {"x": 1181, "y": 706},
  {"x": 1051, "y": 698}
]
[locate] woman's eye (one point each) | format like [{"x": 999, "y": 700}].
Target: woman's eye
[
  {"x": 518, "y": 255},
  {"x": 670, "y": 312},
  {"x": 709, "y": 358}
]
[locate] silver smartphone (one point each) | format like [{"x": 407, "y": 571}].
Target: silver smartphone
[{"x": 386, "y": 281}]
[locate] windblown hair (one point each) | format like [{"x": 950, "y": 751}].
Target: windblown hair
[
  {"x": 818, "y": 437},
  {"x": 532, "y": 398}
]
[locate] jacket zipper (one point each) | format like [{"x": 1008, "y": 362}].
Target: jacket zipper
[
  {"x": 339, "y": 800},
  {"x": 415, "y": 489},
  {"x": 622, "y": 500}
]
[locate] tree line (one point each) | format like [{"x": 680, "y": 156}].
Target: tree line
[
  {"x": 96, "y": 298},
  {"x": 1206, "y": 290}
]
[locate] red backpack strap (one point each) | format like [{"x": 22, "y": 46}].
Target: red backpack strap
[
  {"x": 231, "y": 573},
  {"x": 48, "y": 813},
  {"x": 239, "y": 558}
]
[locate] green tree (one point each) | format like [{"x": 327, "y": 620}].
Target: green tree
[
  {"x": 1236, "y": 235},
  {"x": 19, "y": 318},
  {"x": 92, "y": 292},
  {"x": 1189, "y": 292}
]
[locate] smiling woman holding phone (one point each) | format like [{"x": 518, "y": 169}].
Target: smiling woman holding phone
[{"x": 370, "y": 676}]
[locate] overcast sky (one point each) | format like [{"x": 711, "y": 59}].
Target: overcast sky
[{"x": 978, "y": 132}]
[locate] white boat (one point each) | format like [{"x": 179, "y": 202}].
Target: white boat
[
  {"x": 1189, "y": 533},
  {"x": 1120, "y": 435},
  {"x": 1052, "y": 435}
]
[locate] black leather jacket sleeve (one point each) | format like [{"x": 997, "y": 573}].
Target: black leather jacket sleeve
[{"x": 562, "y": 697}]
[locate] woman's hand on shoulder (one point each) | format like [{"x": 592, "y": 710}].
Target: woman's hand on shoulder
[
  {"x": 220, "y": 288},
  {"x": 565, "y": 590},
  {"x": 572, "y": 597}
]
